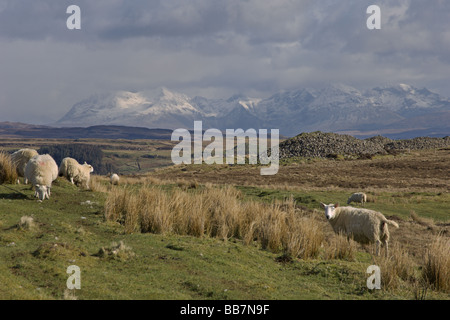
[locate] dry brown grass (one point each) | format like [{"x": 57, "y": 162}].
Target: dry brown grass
[
  {"x": 398, "y": 267},
  {"x": 219, "y": 213},
  {"x": 341, "y": 247},
  {"x": 436, "y": 271},
  {"x": 8, "y": 173},
  {"x": 427, "y": 222},
  {"x": 98, "y": 183},
  {"x": 419, "y": 171}
]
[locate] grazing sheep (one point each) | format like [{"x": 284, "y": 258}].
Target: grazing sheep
[
  {"x": 41, "y": 171},
  {"x": 114, "y": 179},
  {"x": 76, "y": 173},
  {"x": 20, "y": 159},
  {"x": 357, "y": 197},
  {"x": 363, "y": 225}
]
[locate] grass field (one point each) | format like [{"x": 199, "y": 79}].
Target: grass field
[{"x": 115, "y": 263}]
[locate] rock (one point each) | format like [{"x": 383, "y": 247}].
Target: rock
[{"x": 322, "y": 145}]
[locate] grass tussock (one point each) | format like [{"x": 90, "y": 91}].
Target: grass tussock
[
  {"x": 436, "y": 271},
  {"x": 116, "y": 250},
  {"x": 218, "y": 213},
  {"x": 427, "y": 222},
  {"x": 341, "y": 247},
  {"x": 26, "y": 223},
  {"x": 8, "y": 172},
  {"x": 397, "y": 268},
  {"x": 98, "y": 183}
]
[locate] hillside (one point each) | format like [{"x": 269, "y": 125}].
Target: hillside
[
  {"x": 71, "y": 229},
  {"x": 22, "y": 130}
]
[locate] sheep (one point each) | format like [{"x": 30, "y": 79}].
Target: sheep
[
  {"x": 363, "y": 225},
  {"x": 114, "y": 179},
  {"x": 41, "y": 171},
  {"x": 20, "y": 159},
  {"x": 76, "y": 173},
  {"x": 357, "y": 197}
]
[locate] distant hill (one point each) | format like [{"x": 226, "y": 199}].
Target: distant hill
[{"x": 22, "y": 130}]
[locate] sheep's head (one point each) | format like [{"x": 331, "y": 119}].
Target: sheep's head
[
  {"x": 42, "y": 192},
  {"x": 329, "y": 210},
  {"x": 91, "y": 168}
]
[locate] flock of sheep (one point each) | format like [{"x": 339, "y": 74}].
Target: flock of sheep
[
  {"x": 42, "y": 170},
  {"x": 363, "y": 225}
]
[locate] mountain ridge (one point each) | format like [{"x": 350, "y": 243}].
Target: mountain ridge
[{"x": 334, "y": 108}]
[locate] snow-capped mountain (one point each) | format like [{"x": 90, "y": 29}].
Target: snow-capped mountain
[
  {"x": 159, "y": 108},
  {"x": 335, "y": 108}
]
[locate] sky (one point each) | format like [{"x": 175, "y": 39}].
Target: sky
[{"x": 212, "y": 48}]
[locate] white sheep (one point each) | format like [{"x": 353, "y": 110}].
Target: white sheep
[
  {"x": 357, "y": 197},
  {"x": 114, "y": 179},
  {"x": 76, "y": 173},
  {"x": 363, "y": 225},
  {"x": 41, "y": 171},
  {"x": 20, "y": 159}
]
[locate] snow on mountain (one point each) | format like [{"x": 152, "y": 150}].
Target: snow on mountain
[
  {"x": 407, "y": 100},
  {"x": 333, "y": 108}
]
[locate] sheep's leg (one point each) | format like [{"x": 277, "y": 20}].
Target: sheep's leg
[
  {"x": 71, "y": 180},
  {"x": 377, "y": 247},
  {"x": 387, "y": 246}
]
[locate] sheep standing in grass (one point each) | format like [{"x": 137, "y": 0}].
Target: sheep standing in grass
[
  {"x": 357, "y": 197},
  {"x": 114, "y": 179},
  {"x": 76, "y": 173},
  {"x": 20, "y": 159},
  {"x": 363, "y": 225},
  {"x": 41, "y": 171}
]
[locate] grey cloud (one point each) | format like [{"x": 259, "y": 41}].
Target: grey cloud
[{"x": 215, "y": 46}]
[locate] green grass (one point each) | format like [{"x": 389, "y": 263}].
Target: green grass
[
  {"x": 426, "y": 204},
  {"x": 71, "y": 230}
]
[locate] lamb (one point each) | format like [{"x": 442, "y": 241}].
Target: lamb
[
  {"x": 41, "y": 171},
  {"x": 114, "y": 179},
  {"x": 77, "y": 174},
  {"x": 20, "y": 159},
  {"x": 364, "y": 225},
  {"x": 357, "y": 197}
]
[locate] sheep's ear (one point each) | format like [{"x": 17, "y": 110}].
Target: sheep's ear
[
  {"x": 336, "y": 205},
  {"x": 322, "y": 205}
]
